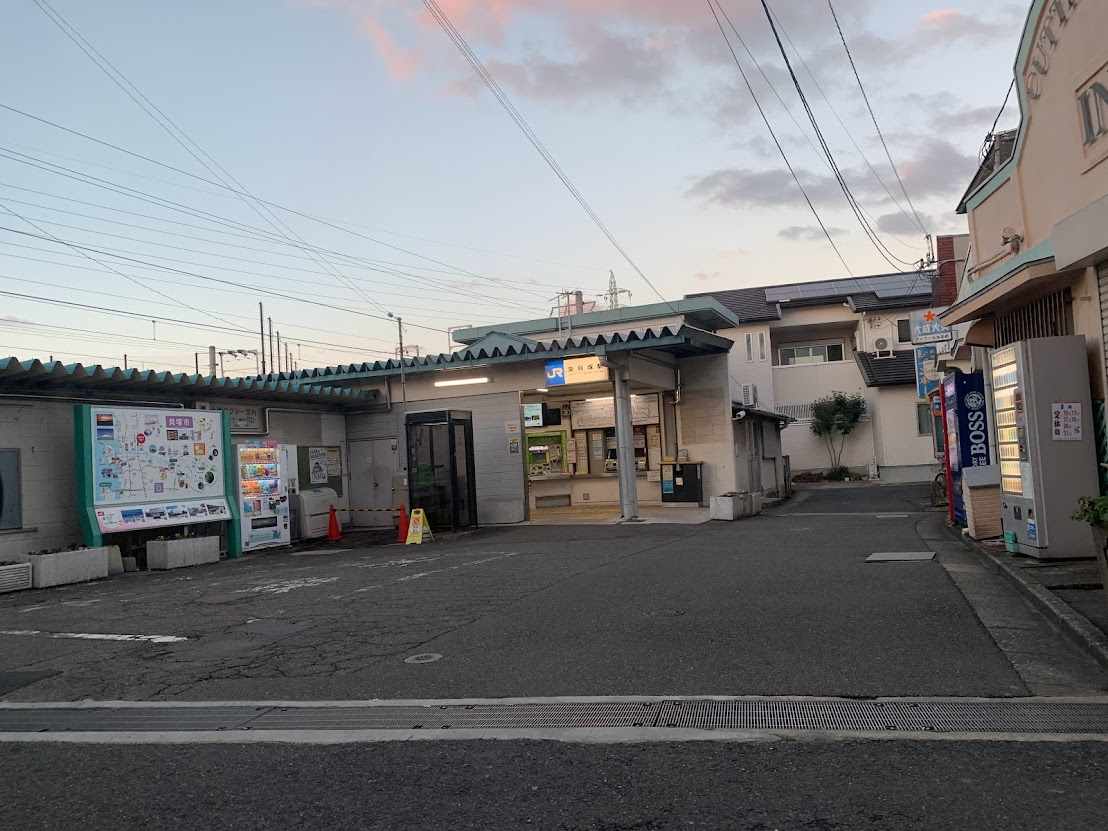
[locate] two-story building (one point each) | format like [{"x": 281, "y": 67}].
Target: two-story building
[
  {"x": 799, "y": 342},
  {"x": 1038, "y": 205}
]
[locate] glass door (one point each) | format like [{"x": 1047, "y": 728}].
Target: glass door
[{"x": 429, "y": 477}]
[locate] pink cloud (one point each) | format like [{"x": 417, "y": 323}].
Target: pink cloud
[{"x": 940, "y": 17}]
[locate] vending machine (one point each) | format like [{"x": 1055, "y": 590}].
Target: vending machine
[
  {"x": 967, "y": 433},
  {"x": 1047, "y": 455},
  {"x": 263, "y": 494}
]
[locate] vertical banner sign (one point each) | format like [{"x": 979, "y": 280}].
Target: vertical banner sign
[
  {"x": 928, "y": 377},
  {"x": 967, "y": 432}
]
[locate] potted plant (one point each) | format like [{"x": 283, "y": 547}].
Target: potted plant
[
  {"x": 1094, "y": 510},
  {"x": 730, "y": 506},
  {"x": 72, "y": 564}
]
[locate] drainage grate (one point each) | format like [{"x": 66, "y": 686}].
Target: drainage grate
[
  {"x": 1007, "y": 716},
  {"x": 457, "y": 716}
]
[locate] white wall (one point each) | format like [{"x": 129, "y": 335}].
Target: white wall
[
  {"x": 806, "y": 452},
  {"x": 804, "y": 383},
  {"x": 897, "y": 438},
  {"x": 757, "y": 371},
  {"x": 501, "y": 492},
  {"x": 43, "y": 433},
  {"x": 704, "y": 421}
]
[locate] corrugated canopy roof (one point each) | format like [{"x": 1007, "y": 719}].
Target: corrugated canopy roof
[
  {"x": 495, "y": 347},
  {"x": 35, "y": 377}
]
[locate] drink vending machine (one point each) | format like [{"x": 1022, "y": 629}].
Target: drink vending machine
[
  {"x": 1047, "y": 455},
  {"x": 262, "y": 493},
  {"x": 967, "y": 433}
]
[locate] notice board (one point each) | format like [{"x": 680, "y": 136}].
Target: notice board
[{"x": 319, "y": 466}]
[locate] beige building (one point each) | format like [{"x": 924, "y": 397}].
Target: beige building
[
  {"x": 799, "y": 342},
  {"x": 1038, "y": 206}
]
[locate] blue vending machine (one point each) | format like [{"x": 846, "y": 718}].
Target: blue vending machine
[{"x": 967, "y": 433}]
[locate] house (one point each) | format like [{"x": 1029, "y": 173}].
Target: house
[{"x": 802, "y": 341}]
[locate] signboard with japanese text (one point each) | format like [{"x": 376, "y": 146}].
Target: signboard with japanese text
[
  {"x": 600, "y": 413},
  {"x": 584, "y": 370},
  {"x": 155, "y": 468},
  {"x": 928, "y": 376},
  {"x": 927, "y": 328},
  {"x": 532, "y": 415},
  {"x": 1065, "y": 421}
]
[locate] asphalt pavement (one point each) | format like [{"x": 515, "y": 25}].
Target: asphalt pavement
[
  {"x": 883, "y": 786},
  {"x": 783, "y": 604}
]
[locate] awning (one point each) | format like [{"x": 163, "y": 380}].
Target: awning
[{"x": 1027, "y": 283}]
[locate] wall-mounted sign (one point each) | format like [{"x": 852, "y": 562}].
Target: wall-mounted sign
[
  {"x": 1065, "y": 421},
  {"x": 532, "y": 415},
  {"x": 1057, "y": 16},
  {"x": 1092, "y": 104},
  {"x": 600, "y": 413},
  {"x": 575, "y": 371},
  {"x": 928, "y": 376},
  {"x": 927, "y": 328},
  {"x": 245, "y": 419}
]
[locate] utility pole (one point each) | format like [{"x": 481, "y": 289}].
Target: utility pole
[
  {"x": 403, "y": 381},
  {"x": 261, "y": 331},
  {"x": 280, "y": 364},
  {"x": 124, "y": 360},
  {"x": 272, "y": 363},
  {"x": 211, "y": 360},
  {"x": 196, "y": 355}
]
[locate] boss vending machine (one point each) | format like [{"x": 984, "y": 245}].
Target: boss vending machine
[
  {"x": 967, "y": 433},
  {"x": 1044, "y": 430},
  {"x": 263, "y": 494}
]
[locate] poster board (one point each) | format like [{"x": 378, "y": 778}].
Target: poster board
[
  {"x": 319, "y": 466},
  {"x": 601, "y": 413},
  {"x": 142, "y": 468}
]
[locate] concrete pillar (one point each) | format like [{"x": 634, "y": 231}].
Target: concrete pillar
[{"x": 625, "y": 443}]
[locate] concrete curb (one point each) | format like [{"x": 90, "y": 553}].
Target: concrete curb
[{"x": 1069, "y": 621}]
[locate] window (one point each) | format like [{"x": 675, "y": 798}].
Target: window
[
  {"x": 11, "y": 502},
  {"x": 923, "y": 418},
  {"x": 749, "y": 347},
  {"x": 761, "y": 346},
  {"x": 904, "y": 330},
  {"x": 793, "y": 355}
]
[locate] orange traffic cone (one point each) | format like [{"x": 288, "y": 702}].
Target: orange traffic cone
[
  {"x": 333, "y": 532},
  {"x": 402, "y": 534}
]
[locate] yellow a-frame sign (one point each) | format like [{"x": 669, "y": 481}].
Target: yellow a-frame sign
[{"x": 417, "y": 527}]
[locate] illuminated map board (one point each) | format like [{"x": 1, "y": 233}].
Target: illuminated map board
[{"x": 152, "y": 467}]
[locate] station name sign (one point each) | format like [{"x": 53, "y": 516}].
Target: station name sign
[{"x": 583, "y": 370}]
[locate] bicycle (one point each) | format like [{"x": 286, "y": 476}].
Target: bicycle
[{"x": 939, "y": 495}]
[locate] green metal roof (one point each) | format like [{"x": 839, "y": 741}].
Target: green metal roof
[
  {"x": 680, "y": 341},
  {"x": 35, "y": 377},
  {"x": 703, "y": 312}
]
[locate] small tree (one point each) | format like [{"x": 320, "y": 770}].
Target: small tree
[{"x": 834, "y": 417}]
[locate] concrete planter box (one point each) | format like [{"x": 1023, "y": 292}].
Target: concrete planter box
[
  {"x": 729, "y": 507},
  {"x": 190, "y": 551},
  {"x": 15, "y": 577},
  {"x": 64, "y": 567}
]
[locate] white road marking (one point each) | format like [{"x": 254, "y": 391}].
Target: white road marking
[
  {"x": 285, "y": 586},
  {"x": 420, "y": 574},
  {"x": 33, "y": 608},
  {"x": 89, "y": 636},
  {"x": 390, "y": 563}
]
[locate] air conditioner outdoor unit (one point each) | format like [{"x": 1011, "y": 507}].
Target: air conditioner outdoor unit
[
  {"x": 881, "y": 347},
  {"x": 749, "y": 394}
]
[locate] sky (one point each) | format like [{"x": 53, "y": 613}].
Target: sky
[{"x": 343, "y": 162}]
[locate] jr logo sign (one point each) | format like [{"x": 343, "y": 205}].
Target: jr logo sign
[{"x": 555, "y": 374}]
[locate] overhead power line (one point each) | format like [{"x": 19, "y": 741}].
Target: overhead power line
[
  {"x": 769, "y": 127},
  {"x": 187, "y": 143},
  {"x": 880, "y": 135},
  {"x": 482, "y": 72},
  {"x": 231, "y": 193},
  {"x": 871, "y": 235}
]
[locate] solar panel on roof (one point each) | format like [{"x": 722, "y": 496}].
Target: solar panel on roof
[{"x": 883, "y": 285}]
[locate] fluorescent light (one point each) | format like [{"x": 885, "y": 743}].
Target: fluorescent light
[
  {"x": 461, "y": 382},
  {"x": 605, "y": 398},
  {"x": 540, "y": 389}
]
